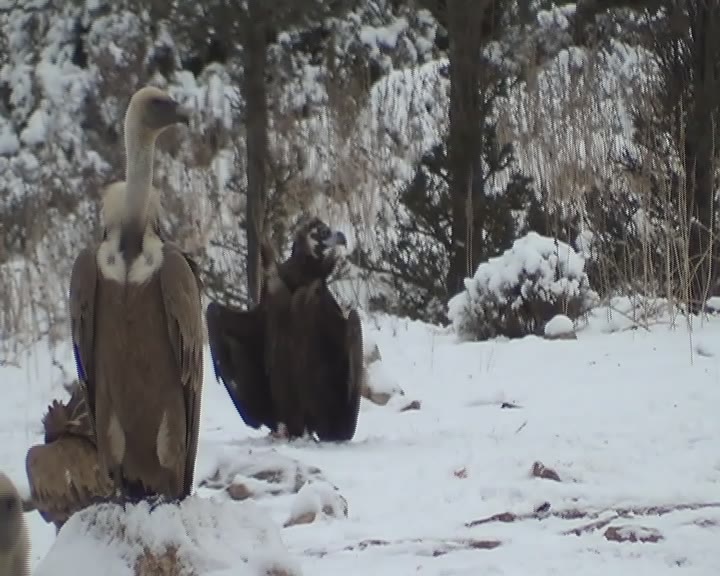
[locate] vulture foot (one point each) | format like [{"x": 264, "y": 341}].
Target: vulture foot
[
  {"x": 281, "y": 433},
  {"x": 153, "y": 501}
]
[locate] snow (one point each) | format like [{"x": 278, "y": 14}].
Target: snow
[
  {"x": 209, "y": 536},
  {"x": 559, "y": 325},
  {"x": 627, "y": 419}
]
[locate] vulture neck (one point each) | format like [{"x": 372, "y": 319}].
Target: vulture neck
[
  {"x": 140, "y": 149},
  {"x": 301, "y": 270}
]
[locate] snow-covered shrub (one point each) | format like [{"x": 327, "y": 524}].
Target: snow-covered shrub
[{"x": 516, "y": 293}]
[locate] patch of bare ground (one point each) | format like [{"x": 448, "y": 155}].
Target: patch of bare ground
[
  {"x": 599, "y": 519},
  {"x": 632, "y": 534},
  {"x": 425, "y": 546}
]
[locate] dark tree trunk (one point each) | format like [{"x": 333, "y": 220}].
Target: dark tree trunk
[
  {"x": 704, "y": 44},
  {"x": 465, "y": 18},
  {"x": 255, "y": 50}
]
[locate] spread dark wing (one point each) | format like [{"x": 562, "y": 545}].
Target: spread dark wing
[
  {"x": 181, "y": 294},
  {"x": 236, "y": 346},
  {"x": 83, "y": 282},
  {"x": 332, "y": 355}
]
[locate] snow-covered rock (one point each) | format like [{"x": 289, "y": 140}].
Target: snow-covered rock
[
  {"x": 379, "y": 386},
  {"x": 317, "y": 500},
  {"x": 560, "y": 327},
  {"x": 259, "y": 473},
  {"x": 199, "y": 536}
]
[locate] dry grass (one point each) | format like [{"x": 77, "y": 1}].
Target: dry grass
[{"x": 166, "y": 564}]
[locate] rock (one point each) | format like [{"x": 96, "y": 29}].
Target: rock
[
  {"x": 373, "y": 354},
  {"x": 260, "y": 474},
  {"x": 238, "y": 491},
  {"x": 379, "y": 398},
  {"x": 539, "y": 470},
  {"x": 461, "y": 473},
  {"x": 317, "y": 500},
  {"x": 633, "y": 534},
  {"x": 379, "y": 387},
  {"x": 560, "y": 327},
  {"x": 196, "y": 536},
  {"x": 414, "y": 405}
]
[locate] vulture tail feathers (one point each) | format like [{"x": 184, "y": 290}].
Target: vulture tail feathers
[
  {"x": 71, "y": 418},
  {"x": 236, "y": 348}
]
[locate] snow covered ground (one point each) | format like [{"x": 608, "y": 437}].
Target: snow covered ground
[{"x": 629, "y": 419}]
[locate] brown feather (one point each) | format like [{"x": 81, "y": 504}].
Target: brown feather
[
  {"x": 65, "y": 476},
  {"x": 181, "y": 294},
  {"x": 83, "y": 285},
  {"x": 71, "y": 418}
]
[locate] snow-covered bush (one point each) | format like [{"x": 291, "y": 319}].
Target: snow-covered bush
[{"x": 516, "y": 293}]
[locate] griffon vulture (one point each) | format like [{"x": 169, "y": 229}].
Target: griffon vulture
[
  {"x": 294, "y": 359},
  {"x": 14, "y": 540},
  {"x": 137, "y": 326},
  {"x": 64, "y": 473}
]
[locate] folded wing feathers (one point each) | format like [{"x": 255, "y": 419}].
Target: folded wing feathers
[{"x": 65, "y": 477}]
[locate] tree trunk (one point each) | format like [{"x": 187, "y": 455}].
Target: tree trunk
[
  {"x": 700, "y": 146},
  {"x": 255, "y": 53},
  {"x": 465, "y": 19}
]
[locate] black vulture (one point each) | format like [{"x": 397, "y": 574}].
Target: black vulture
[{"x": 294, "y": 359}]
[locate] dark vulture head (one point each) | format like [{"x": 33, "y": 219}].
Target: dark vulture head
[{"x": 317, "y": 247}]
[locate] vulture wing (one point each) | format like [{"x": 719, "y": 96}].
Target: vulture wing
[
  {"x": 83, "y": 282},
  {"x": 181, "y": 294},
  {"x": 236, "y": 346},
  {"x": 65, "y": 474},
  {"x": 330, "y": 361}
]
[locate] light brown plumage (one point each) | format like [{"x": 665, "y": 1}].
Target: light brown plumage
[
  {"x": 137, "y": 326},
  {"x": 64, "y": 473},
  {"x": 14, "y": 540}
]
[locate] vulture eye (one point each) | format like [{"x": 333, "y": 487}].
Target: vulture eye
[
  {"x": 7, "y": 504},
  {"x": 323, "y": 233}
]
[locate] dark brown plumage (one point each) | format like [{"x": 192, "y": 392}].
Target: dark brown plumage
[
  {"x": 295, "y": 359},
  {"x": 137, "y": 326}
]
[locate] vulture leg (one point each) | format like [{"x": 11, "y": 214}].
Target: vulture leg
[{"x": 236, "y": 346}]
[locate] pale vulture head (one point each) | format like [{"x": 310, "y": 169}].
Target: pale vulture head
[
  {"x": 11, "y": 514},
  {"x": 151, "y": 111}
]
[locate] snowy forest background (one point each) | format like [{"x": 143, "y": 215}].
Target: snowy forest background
[{"x": 590, "y": 123}]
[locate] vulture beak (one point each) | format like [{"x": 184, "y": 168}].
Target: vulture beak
[
  {"x": 337, "y": 238},
  {"x": 183, "y": 115}
]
